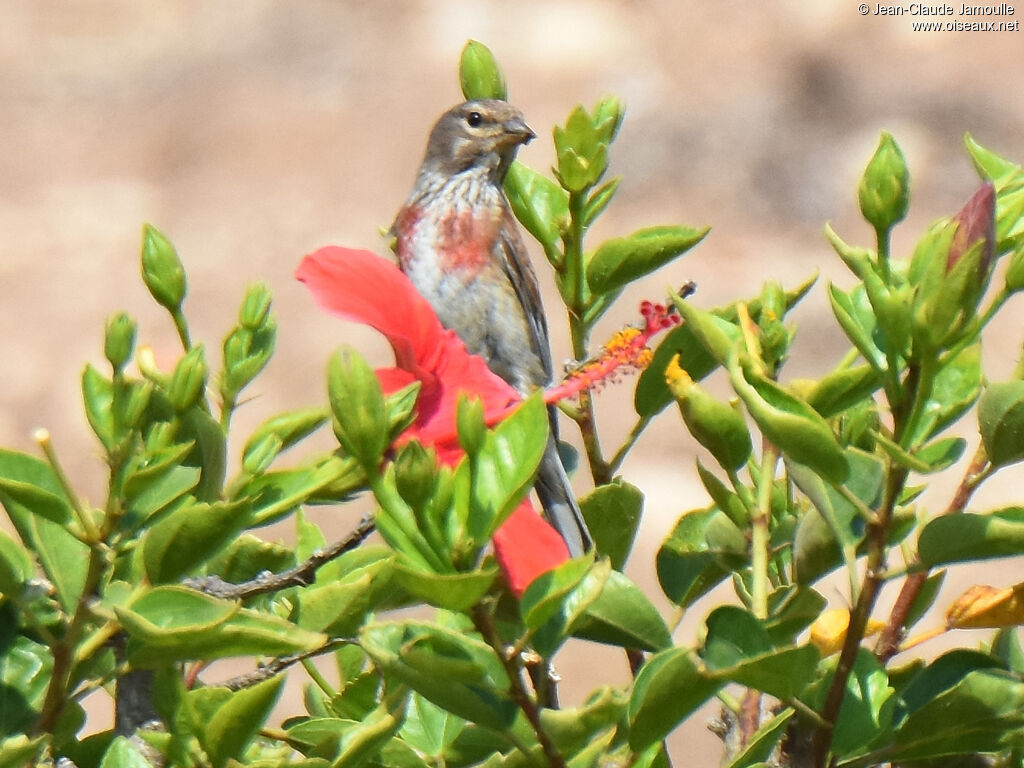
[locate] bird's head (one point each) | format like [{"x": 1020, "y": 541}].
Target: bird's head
[{"x": 485, "y": 133}]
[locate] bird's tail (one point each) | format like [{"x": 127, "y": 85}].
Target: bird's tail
[{"x": 559, "y": 502}]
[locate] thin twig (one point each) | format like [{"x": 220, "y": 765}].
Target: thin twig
[
  {"x": 889, "y": 642},
  {"x": 485, "y": 626},
  {"x": 277, "y": 666},
  {"x": 301, "y": 575}
]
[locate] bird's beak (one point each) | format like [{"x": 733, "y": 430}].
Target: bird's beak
[{"x": 518, "y": 132}]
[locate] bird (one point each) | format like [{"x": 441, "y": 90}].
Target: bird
[{"x": 457, "y": 241}]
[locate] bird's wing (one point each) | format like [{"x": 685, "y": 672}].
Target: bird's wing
[{"x": 515, "y": 263}]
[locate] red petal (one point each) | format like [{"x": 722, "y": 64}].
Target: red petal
[
  {"x": 361, "y": 286},
  {"x": 526, "y": 546}
]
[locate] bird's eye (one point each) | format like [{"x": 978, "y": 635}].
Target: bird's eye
[{"x": 474, "y": 119}]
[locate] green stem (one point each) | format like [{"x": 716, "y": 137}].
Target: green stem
[
  {"x": 627, "y": 445},
  {"x": 181, "y": 326},
  {"x": 761, "y": 530},
  {"x": 92, "y": 533},
  {"x": 882, "y": 240}
]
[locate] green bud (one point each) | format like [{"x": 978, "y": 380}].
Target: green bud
[
  {"x": 260, "y": 453},
  {"x": 714, "y": 424},
  {"x": 134, "y": 402},
  {"x": 162, "y": 270},
  {"x": 360, "y": 416},
  {"x": 884, "y": 191},
  {"x": 1015, "y": 272},
  {"x": 581, "y": 150},
  {"x": 255, "y": 306},
  {"x": 608, "y": 116},
  {"x": 188, "y": 381},
  {"x": 401, "y": 409},
  {"x": 479, "y": 73},
  {"x": 119, "y": 341},
  {"x": 789, "y": 422},
  {"x": 415, "y": 474},
  {"x": 246, "y": 353},
  {"x": 469, "y": 421}
]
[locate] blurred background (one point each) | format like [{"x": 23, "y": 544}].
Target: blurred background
[{"x": 252, "y": 132}]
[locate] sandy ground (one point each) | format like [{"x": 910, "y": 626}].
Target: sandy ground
[{"x": 252, "y": 132}]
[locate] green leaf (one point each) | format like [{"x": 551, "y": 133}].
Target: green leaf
[
  {"x": 843, "y": 388},
  {"x": 226, "y": 721},
  {"x": 98, "y": 395},
  {"x": 622, "y": 260},
  {"x": 453, "y": 591},
  {"x": 968, "y": 536},
  {"x": 169, "y": 623},
  {"x": 247, "y": 556},
  {"x": 856, "y": 318},
  {"x": 738, "y": 649},
  {"x": 867, "y": 707},
  {"x": 454, "y": 670},
  {"x": 210, "y": 453},
  {"x": 829, "y": 534},
  {"x": 16, "y": 566},
  {"x": 612, "y": 513},
  {"x": 25, "y": 670},
  {"x": 338, "y": 608},
  {"x": 544, "y": 596},
  {"x": 702, "y": 550},
  {"x": 541, "y": 206},
  {"x": 366, "y": 740},
  {"x": 1001, "y": 419},
  {"x": 19, "y": 751},
  {"x": 569, "y": 612},
  {"x": 790, "y": 423},
  {"x": 63, "y": 558},
  {"x": 288, "y": 428},
  {"x": 150, "y": 491},
  {"x": 429, "y": 728},
  {"x": 479, "y": 73},
  {"x": 123, "y": 754},
  {"x": 623, "y": 616},
  {"x": 715, "y": 424},
  {"x": 503, "y": 469},
  {"x": 277, "y": 494},
  {"x": 762, "y": 743},
  {"x": 190, "y": 536},
  {"x": 981, "y": 713},
  {"x": 670, "y": 687},
  {"x": 791, "y": 609},
  {"x": 599, "y": 200}
]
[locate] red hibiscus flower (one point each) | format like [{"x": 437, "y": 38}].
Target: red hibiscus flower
[{"x": 360, "y": 286}]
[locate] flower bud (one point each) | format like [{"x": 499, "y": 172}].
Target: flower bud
[
  {"x": 135, "y": 402},
  {"x": 162, "y": 270},
  {"x": 469, "y": 420},
  {"x": 975, "y": 222},
  {"x": 119, "y": 341},
  {"x": 255, "y": 306},
  {"x": 713, "y": 424},
  {"x": 415, "y": 474},
  {"x": 360, "y": 418},
  {"x": 188, "y": 380},
  {"x": 479, "y": 73},
  {"x": 884, "y": 191}
]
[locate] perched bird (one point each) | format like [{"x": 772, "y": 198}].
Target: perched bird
[{"x": 457, "y": 241}]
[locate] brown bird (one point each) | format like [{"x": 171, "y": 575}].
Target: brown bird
[{"x": 458, "y": 242}]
